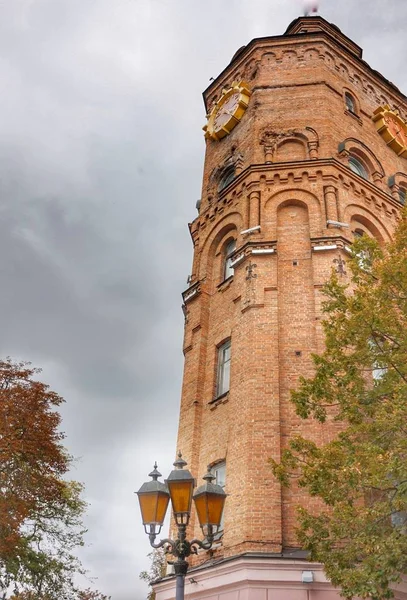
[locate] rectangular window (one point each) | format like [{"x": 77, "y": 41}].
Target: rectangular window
[
  {"x": 378, "y": 372},
  {"x": 228, "y": 269},
  {"x": 223, "y": 375},
  {"x": 219, "y": 470}
]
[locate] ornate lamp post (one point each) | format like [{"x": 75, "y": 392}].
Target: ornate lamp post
[{"x": 209, "y": 501}]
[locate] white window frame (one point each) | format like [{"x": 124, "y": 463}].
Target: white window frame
[
  {"x": 223, "y": 368},
  {"x": 228, "y": 270},
  {"x": 219, "y": 470}
]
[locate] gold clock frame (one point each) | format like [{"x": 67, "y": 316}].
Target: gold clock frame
[
  {"x": 244, "y": 91},
  {"x": 379, "y": 118}
]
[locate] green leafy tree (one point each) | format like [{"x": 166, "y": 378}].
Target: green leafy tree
[
  {"x": 360, "y": 382},
  {"x": 157, "y": 570},
  {"x": 40, "y": 510}
]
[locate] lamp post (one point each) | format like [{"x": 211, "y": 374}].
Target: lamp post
[{"x": 209, "y": 500}]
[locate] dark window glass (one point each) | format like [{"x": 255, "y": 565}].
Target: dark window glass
[
  {"x": 356, "y": 166},
  {"x": 350, "y": 103},
  {"x": 402, "y": 195},
  {"x": 227, "y": 177}
]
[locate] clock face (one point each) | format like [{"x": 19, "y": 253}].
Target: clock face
[
  {"x": 228, "y": 111},
  {"x": 396, "y": 128},
  {"x": 392, "y": 128}
]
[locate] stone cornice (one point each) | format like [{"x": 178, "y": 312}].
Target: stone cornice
[
  {"x": 192, "y": 292},
  {"x": 303, "y": 39},
  {"x": 285, "y": 172}
]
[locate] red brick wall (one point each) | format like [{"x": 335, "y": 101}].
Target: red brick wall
[{"x": 291, "y": 179}]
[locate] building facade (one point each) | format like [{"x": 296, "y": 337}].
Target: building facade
[{"x": 306, "y": 149}]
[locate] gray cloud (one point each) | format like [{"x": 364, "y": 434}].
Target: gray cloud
[{"x": 101, "y": 154}]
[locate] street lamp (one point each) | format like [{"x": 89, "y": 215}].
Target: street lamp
[{"x": 209, "y": 501}]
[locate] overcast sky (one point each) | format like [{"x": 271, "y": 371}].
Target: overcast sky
[{"x": 101, "y": 154}]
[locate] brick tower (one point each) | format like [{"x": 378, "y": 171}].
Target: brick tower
[{"x": 306, "y": 148}]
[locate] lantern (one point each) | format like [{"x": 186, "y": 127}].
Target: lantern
[
  {"x": 209, "y": 502},
  {"x": 180, "y": 485},
  {"x": 153, "y": 497}
]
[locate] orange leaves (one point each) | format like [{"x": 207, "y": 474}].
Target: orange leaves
[{"x": 32, "y": 459}]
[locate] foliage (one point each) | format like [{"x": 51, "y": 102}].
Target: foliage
[
  {"x": 83, "y": 595},
  {"x": 360, "y": 382},
  {"x": 40, "y": 511},
  {"x": 90, "y": 595},
  {"x": 157, "y": 570}
]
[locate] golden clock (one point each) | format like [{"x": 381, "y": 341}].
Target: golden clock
[
  {"x": 392, "y": 128},
  {"x": 228, "y": 111}
]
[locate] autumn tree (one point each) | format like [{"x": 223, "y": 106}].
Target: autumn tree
[
  {"x": 360, "y": 382},
  {"x": 40, "y": 510}
]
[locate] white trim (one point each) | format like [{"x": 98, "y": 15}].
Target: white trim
[
  {"x": 330, "y": 247},
  {"x": 337, "y": 223},
  {"x": 239, "y": 576},
  {"x": 263, "y": 251},
  {"x": 347, "y": 249},
  {"x": 190, "y": 295},
  {"x": 237, "y": 260},
  {"x": 256, "y": 228}
]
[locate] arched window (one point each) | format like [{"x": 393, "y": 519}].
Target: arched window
[
  {"x": 350, "y": 103},
  {"x": 357, "y": 167},
  {"x": 228, "y": 176},
  {"x": 363, "y": 256},
  {"x": 228, "y": 270}
]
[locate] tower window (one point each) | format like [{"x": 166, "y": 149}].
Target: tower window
[
  {"x": 363, "y": 256},
  {"x": 223, "y": 374},
  {"x": 227, "y": 177},
  {"x": 350, "y": 103},
  {"x": 228, "y": 270},
  {"x": 402, "y": 196},
  {"x": 377, "y": 372},
  {"x": 356, "y": 166},
  {"x": 219, "y": 470}
]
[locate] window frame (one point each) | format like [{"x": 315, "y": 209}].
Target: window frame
[
  {"x": 218, "y": 466},
  {"x": 362, "y": 257},
  {"x": 359, "y": 168},
  {"x": 226, "y": 178},
  {"x": 223, "y": 364},
  {"x": 350, "y": 103},
  {"x": 229, "y": 248}
]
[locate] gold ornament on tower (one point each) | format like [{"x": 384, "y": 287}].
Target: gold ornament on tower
[
  {"x": 392, "y": 128},
  {"x": 227, "y": 111}
]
